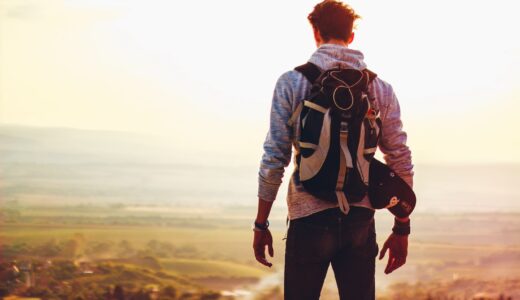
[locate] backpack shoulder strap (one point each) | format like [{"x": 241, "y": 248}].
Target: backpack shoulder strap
[
  {"x": 310, "y": 71},
  {"x": 370, "y": 76},
  {"x": 372, "y": 100}
]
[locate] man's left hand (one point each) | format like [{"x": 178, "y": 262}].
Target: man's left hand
[{"x": 398, "y": 247}]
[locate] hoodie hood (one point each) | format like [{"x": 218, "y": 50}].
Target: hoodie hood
[{"x": 328, "y": 56}]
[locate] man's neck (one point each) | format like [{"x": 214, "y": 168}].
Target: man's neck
[{"x": 334, "y": 42}]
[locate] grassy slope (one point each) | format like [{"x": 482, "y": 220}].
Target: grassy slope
[
  {"x": 210, "y": 268},
  {"x": 441, "y": 247}
]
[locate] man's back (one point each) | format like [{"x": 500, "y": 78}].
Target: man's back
[
  {"x": 319, "y": 233},
  {"x": 292, "y": 88}
]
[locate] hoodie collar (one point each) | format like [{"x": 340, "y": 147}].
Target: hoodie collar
[{"x": 328, "y": 56}]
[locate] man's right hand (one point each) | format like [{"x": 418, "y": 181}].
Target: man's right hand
[{"x": 262, "y": 239}]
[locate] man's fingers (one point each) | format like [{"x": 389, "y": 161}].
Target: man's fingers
[
  {"x": 260, "y": 256},
  {"x": 383, "y": 251},
  {"x": 390, "y": 263},
  {"x": 397, "y": 251},
  {"x": 270, "y": 249},
  {"x": 389, "y": 267},
  {"x": 259, "y": 251},
  {"x": 398, "y": 263},
  {"x": 263, "y": 261},
  {"x": 394, "y": 264}
]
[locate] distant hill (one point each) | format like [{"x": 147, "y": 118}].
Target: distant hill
[
  {"x": 66, "y": 145},
  {"x": 72, "y": 166}
]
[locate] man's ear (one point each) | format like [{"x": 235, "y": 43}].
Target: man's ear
[{"x": 351, "y": 38}]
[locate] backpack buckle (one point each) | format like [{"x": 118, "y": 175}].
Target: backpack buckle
[{"x": 343, "y": 127}]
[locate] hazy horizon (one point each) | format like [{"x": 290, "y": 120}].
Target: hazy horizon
[
  {"x": 64, "y": 165},
  {"x": 133, "y": 66}
]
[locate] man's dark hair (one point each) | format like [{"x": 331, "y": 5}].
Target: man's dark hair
[{"x": 333, "y": 19}]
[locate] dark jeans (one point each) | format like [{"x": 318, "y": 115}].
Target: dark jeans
[{"x": 347, "y": 242}]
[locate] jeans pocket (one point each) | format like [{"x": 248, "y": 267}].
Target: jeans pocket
[
  {"x": 364, "y": 241},
  {"x": 309, "y": 243}
]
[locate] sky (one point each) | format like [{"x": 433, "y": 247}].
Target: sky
[{"x": 200, "y": 74}]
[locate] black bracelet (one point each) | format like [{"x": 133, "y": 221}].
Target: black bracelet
[
  {"x": 260, "y": 226},
  {"x": 401, "y": 228}
]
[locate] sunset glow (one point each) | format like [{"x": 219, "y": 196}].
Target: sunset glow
[{"x": 164, "y": 66}]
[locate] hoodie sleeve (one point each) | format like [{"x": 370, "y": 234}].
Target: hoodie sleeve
[
  {"x": 278, "y": 142},
  {"x": 393, "y": 141}
]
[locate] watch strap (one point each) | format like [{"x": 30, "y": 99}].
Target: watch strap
[
  {"x": 261, "y": 226},
  {"x": 401, "y": 228}
]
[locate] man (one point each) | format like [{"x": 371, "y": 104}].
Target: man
[{"x": 319, "y": 233}]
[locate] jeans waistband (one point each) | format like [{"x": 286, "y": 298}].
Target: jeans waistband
[{"x": 333, "y": 215}]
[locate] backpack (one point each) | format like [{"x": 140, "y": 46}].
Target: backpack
[{"x": 339, "y": 132}]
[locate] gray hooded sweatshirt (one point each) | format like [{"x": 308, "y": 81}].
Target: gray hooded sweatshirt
[{"x": 291, "y": 88}]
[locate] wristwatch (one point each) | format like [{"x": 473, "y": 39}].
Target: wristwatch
[{"x": 260, "y": 226}]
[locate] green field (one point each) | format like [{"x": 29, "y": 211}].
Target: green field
[{"x": 196, "y": 251}]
